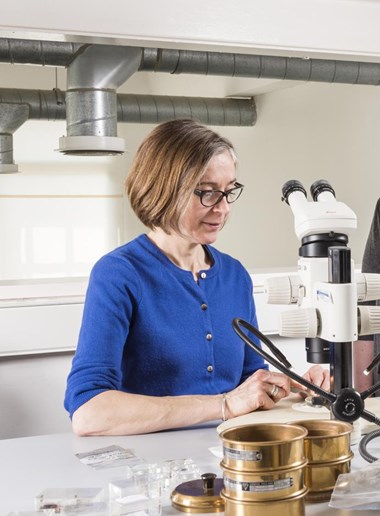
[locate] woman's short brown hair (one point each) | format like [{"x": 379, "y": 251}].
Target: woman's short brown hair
[{"x": 167, "y": 168}]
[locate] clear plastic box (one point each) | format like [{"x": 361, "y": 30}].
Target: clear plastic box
[
  {"x": 135, "y": 496},
  {"x": 73, "y": 501},
  {"x": 148, "y": 487}
]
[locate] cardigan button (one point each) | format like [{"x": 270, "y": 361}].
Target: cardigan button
[
  {"x": 210, "y": 369},
  {"x": 204, "y": 306},
  {"x": 203, "y": 275},
  {"x": 209, "y": 336}
]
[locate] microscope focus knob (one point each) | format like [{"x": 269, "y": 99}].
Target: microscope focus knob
[
  {"x": 368, "y": 286},
  {"x": 348, "y": 405},
  {"x": 283, "y": 290},
  {"x": 302, "y": 322},
  {"x": 368, "y": 320}
]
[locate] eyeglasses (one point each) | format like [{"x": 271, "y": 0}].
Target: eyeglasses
[{"x": 211, "y": 198}]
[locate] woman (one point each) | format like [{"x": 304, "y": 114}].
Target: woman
[{"x": 156, "y": 348}]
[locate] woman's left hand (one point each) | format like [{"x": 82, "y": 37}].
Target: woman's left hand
[{"x": 319, "y": 376}]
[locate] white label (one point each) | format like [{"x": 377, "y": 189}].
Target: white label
[
  {"x": 252, "y": 455},
  {"x": 258, "y": 487},
  {"x": 109, "y": 457}
]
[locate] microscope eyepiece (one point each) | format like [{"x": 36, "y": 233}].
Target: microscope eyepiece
[
  {"x": 292, "y": 186},
  {"x": 319, "y": 186}
]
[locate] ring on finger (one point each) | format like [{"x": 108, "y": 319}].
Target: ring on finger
[{"x": 274, "y": 391}]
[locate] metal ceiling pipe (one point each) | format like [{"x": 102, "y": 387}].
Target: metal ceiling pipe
[
  {"x": 203, "y": 63},
  {"x": 42, "y": 105},
  {"x": 12, "y": 116},
  {"x": 17, "y": 105},
  {"x": 268, "y": 67},
  {"x": 91, "y": 100},
  {"x": 24, "y": 51},
  {"x": 148, "y": 109},
  {"x": 143, "y": 109}
]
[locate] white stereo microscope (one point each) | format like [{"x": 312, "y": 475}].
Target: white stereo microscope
[{"x": 326, "y": 291}]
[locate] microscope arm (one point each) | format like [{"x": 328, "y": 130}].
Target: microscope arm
[{"x": 368, "y": 392}]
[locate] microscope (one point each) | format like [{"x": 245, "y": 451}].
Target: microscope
[{"x": 326, "y": 290}]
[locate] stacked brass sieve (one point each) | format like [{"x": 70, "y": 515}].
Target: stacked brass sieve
[
  {"x": 272, "y": 466},
  {"x": 327, "y": 449},
  {"x": 263, "y": 468}
]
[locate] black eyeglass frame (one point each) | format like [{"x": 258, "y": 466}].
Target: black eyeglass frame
[{"x": 202, "y": 193}]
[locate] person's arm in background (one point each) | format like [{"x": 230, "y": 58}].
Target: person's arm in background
[
  {"x": 364, "y": 348},
  {"x": 363, "y": 355}
]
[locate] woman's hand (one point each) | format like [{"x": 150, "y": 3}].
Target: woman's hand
[
  {"x": 262, "y": 390},
  {"x": 319, "y": 376}
]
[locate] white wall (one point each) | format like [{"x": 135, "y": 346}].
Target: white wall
[
  {"x": 309, "y": 132},
  {"x": 306, "y": 132}
]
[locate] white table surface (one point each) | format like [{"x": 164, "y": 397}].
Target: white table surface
[{"x": 31, "y": 464}]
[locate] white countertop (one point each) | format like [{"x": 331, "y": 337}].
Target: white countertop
[{"x": 31, "y": 464}]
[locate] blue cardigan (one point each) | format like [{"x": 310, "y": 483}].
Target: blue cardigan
[{"x": 149, "y": 328}]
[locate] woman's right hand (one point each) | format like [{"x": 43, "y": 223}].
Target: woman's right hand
[{"x": 262, "y": 390}]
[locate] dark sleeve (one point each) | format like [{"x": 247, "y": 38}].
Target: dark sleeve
[{"x": 371, "y": 257}]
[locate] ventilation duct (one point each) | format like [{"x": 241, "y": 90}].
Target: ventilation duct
[
  {"x": 203, "y": 63},
  {"x": 12, "y": 116},
  {"x": 16, "y": 106},
  {"x": 260, "y": 67},
  {"x": 94, "y": 72},
  {"x": 153, "y": 109},
  {"x": 91, "y": 106},
  {"x": 24, "y": 51},
  {"x": 141, "y": 109}
]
